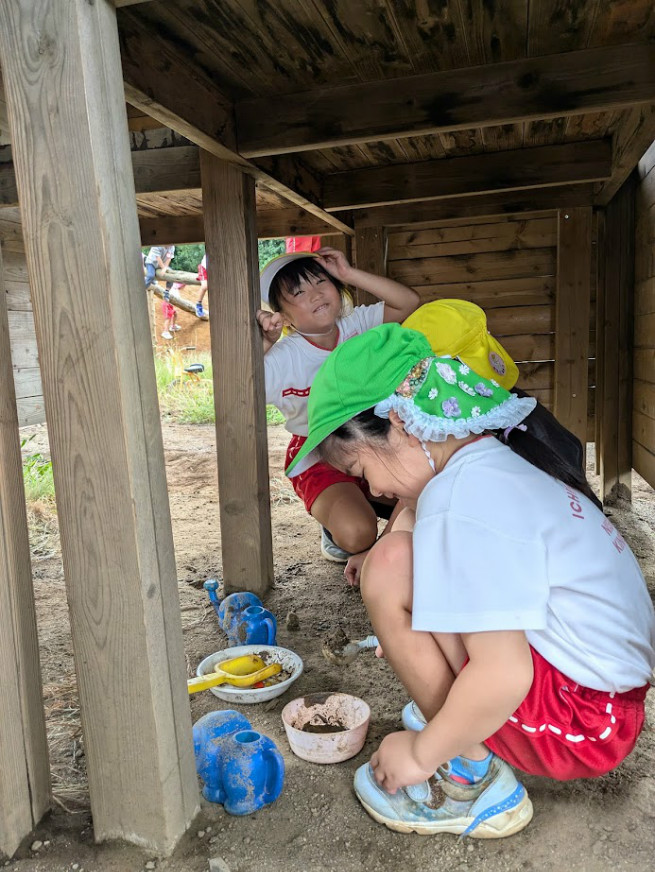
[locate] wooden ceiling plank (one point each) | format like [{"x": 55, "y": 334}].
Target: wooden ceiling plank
[
  {"x": 561, "y": 26},
  {"x": 535, "y": 88},
  {"x": 465, "y": 208},
  {"x": 461, "y": 176},
  {"x": 182, "y": 98}
]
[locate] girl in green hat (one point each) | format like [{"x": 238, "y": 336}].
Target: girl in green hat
[{"x": 510, "y": 608}]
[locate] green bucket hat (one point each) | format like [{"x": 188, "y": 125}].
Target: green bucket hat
[{"x": 392, "y": 367}]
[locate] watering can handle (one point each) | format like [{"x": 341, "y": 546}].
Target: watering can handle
[
  {"x": 275, "y": 773},
  {"x": 271, "y": 626}
]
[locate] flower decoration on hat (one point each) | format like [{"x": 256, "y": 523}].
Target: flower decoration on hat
[{"x": 440, "y": 397}]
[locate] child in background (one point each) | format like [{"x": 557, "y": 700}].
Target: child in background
[
  {"x": 510, "y": 608},
  {"x": 159, "y": 257},
  {"x": 202, "y": 275},
  {"x": 307, "y": 293},
  {"x": 170, "y": 312}
]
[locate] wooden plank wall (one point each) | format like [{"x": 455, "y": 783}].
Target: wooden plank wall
[
  {"x": 506, "y": 265},
  {"x": 643, "y": 404},
  {"x": 24, "y": 354}
]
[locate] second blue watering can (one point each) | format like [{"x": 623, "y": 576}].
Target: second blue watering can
[{"x": 242, "y": 617}]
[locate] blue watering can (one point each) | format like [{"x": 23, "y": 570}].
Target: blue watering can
[
  {"x": 242, "y": 617},
  {"x": 241, "y": 768}
]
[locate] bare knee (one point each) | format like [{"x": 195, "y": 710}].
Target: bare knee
[
  {"x": 355, "y": 534},
  {"x": 387, "y": 571}
]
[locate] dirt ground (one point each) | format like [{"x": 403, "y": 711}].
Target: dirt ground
[{"x": 317, "y": 823}]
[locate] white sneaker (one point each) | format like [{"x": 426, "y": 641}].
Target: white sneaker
[
  {"x": 175, "y": 328},
  {"x": 412, "y": 717},
  {"x": 166, "y": 335},
  {"x": 331, "y": 551}
]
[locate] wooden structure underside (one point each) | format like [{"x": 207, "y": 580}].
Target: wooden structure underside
[{"x": 471, "y": 149}]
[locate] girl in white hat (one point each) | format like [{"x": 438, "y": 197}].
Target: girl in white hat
[{"x": 307, "y": 294}]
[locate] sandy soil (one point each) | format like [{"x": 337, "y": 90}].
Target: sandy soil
[{"x": 317, "y": 823}]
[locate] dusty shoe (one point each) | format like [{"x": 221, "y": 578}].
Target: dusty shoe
[
  {"x": 166, "y": 334},
  {"x": 412, "y": 717},
  {"x": 331, "y": 551},
  {"x": 492, "y": 808}
]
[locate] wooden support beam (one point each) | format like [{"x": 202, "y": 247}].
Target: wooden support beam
[
  {"x": 615, "y": 341},
  {"x": 633, "y": 137},
  {"x": 77, "y": 203},
  {"x": 271, "y": 224},
  {"x": 167, "y": 86},
  {"x": 238, "y": 367},
  {"x": 25, "y": 781},
  {"x": 461, "y": 176},
  {"x": 570, "y": 83},
  {"x": 371, "y": 256},
  {"x": 453, "y": 208},
  {"x": 572, "y": 311}
]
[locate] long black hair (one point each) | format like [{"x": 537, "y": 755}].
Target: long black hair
[
  {"x": 289, "y": 277},
  {"x": 368, "y": 427}
]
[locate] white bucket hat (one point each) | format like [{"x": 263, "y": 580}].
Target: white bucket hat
[{"x": 273, "y": 267}]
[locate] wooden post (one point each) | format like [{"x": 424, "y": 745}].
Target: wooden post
[
  {"x": 228, "y": 197},
  {"x": 371, "y": 256},
  {"x": 77, "y": 199},
  {"x": 600, "y": 327},
  {"x": 615, "y": 338},
  {"x": 25, "y": 781},
  {"x": 572, "y": 307}
]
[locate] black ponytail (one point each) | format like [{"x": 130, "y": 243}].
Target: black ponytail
[{"x": 541, "y": 455}]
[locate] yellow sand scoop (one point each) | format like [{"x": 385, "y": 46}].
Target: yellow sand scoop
[{"x": 239, "y": 671}]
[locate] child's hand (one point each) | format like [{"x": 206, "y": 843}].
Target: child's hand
[
  {"x": 335, "y": 262},
  {"x": 394, "y": 764},
  {"x": 353, "y": 568},
  {"x": 270, "y": 324}
]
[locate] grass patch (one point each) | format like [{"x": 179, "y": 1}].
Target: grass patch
[
  {"x": 37, "y": 475},
  {"x": 187, "y": 400}
]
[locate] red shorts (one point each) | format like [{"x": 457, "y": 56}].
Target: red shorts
[
  {"x": 167, "y": 309},
  {"x": 313, "y": 481},
  {"x": 202, "y": 273},
  {"x": 564, "y": 731}
]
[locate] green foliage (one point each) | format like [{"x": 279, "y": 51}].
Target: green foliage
[
  {"x": 37, "y": 475},
  {"x": 274, "y": 416},
  {"x": 187, "y": 257},
  {"x": 268, "y": 249}
]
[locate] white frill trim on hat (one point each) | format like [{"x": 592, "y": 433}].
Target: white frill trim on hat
[{"x": 434, "y": 428}]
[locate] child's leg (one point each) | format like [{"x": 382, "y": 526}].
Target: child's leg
[
  {"x": 425, "y": 663},
  {"x": 343, "y": 509},
  {"x": 416, "y": 658}
]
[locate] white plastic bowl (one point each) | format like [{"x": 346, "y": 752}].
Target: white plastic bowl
[
  {"x": 290, "y": 661},
  {"x": 325, "y": 709}
]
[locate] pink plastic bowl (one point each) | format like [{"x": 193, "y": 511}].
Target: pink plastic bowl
[{"x": 325, "y": 709}]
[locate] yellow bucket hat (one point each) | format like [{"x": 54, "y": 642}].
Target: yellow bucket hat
[{"x": 459, "y": 329}]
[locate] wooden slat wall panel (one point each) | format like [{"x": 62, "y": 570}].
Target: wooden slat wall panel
[
  {"x": 22, "y": 336},
  {"x": 643, "y": 405},
  {"x": 505, "y": 265}
]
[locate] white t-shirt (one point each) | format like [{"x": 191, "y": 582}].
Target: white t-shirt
[
  {"x": 292, "y": 363},
  {"x": 501, "y": 545}
]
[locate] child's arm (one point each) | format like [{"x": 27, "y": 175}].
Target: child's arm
[
  {"x": 486, "y": 692},
  {"x": 270, "y": 326},
  {"x": 399, "y": 300}
]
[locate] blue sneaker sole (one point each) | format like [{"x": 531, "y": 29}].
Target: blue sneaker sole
[{"x": 504, "y": 823}]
